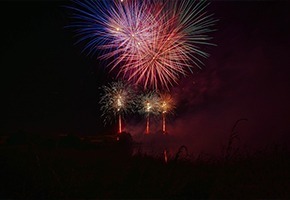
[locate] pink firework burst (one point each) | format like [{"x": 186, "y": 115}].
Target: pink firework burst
[{"x": 152, "y": 42}]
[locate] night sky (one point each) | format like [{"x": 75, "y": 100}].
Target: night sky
[{"x": 50, "y": 87}]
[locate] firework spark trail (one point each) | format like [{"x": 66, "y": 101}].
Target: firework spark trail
[
  {"x": 128, "y": 26},
  {"x": 118, "y": 99},
  {"x": 151, "y": 42},
  {"x": 113, "y": 26}
]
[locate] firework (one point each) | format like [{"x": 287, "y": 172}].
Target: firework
[
  {"x": 151, "y": 42},
  {"x": 148, "y": 106},
  {"x": 119, "y": 28},
  {"x": 117, "y": 100},
  {"x": 166, "y": 106}
]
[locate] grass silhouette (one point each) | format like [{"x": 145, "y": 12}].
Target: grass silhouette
[{"x": 71, "y": 167}]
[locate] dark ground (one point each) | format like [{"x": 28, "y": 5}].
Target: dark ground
[{"x": 71, "y": 167}]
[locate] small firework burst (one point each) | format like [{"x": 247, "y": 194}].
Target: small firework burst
[
  {"x": 166, "y": 107},
  {"x": 148, "y": 105},
  {"x": 117, "y": 100}
]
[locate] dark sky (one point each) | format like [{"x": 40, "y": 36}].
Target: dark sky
[{"x": 49, "y": 86}]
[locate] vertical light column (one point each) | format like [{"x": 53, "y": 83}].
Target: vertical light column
[
  {"x": 120, "y": 124},
  {"x": 148, "y": 125},
  {"x": 163, "y": 123}
]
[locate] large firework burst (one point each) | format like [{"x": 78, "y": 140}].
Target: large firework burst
[{"x": 151, "y": 42}]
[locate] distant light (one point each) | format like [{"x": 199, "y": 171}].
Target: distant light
[{"x": 165, "y": 156}]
